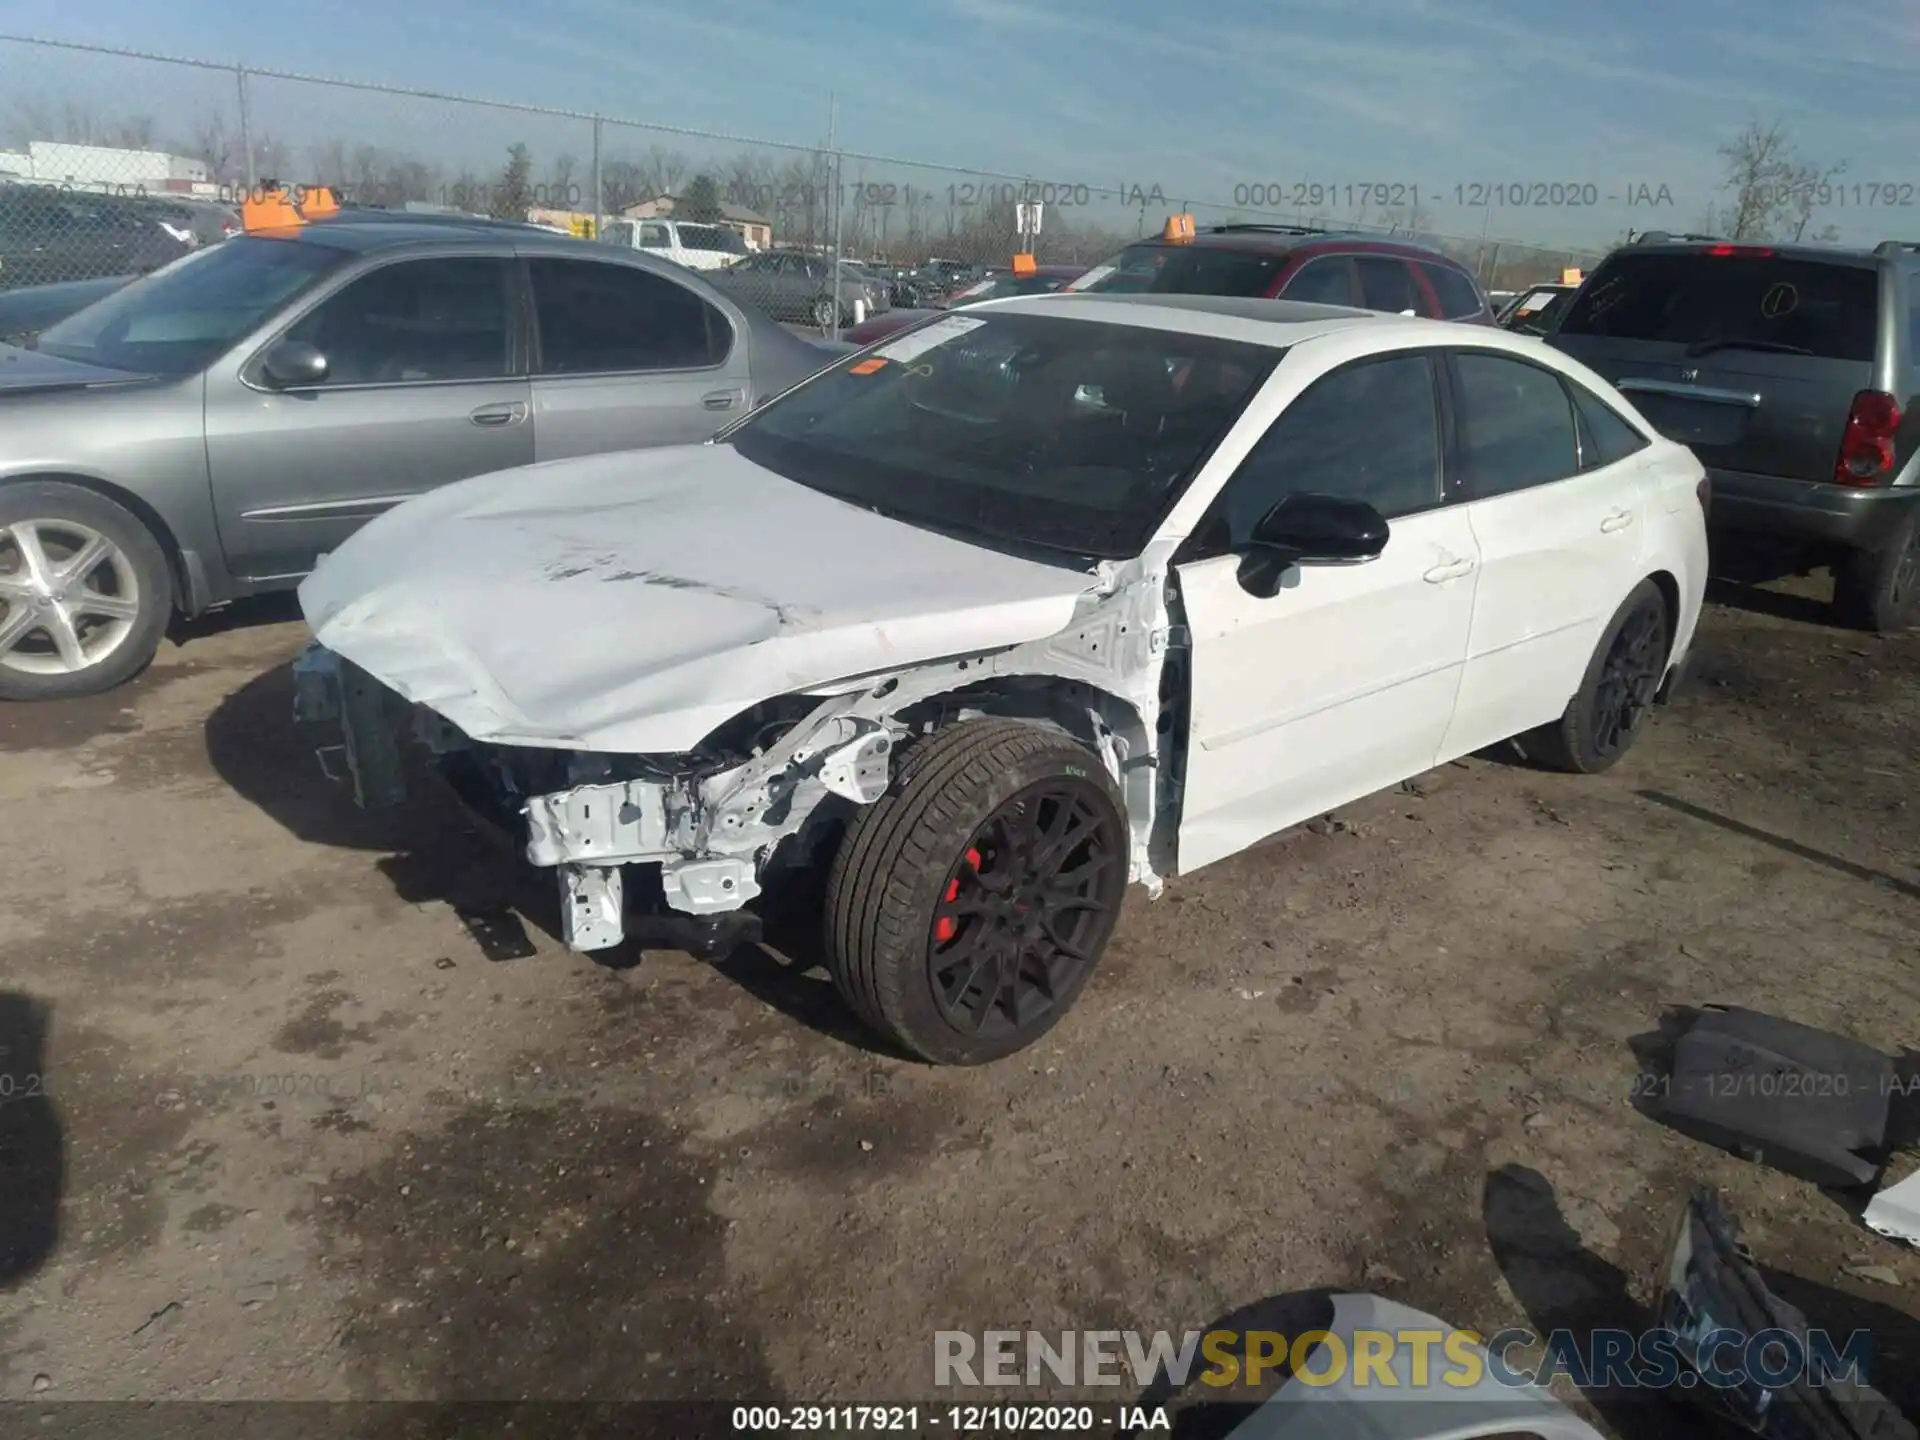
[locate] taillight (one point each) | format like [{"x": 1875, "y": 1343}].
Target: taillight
[
  {"x": 1723, "y": 251},
  {"x": 1866, "y": 446}
]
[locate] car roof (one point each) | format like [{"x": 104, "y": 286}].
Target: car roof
[
  {"x": 1226, "y": 317},
  {"x": 364, "y": 231},
  {"x": 1699, "y": 245},
  {"x": 1285, "y": 239}
]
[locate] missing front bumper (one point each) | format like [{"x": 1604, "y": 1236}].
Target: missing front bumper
[{"x": 587, "y": 834}]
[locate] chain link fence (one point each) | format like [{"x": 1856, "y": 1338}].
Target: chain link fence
[{"x": 813, "y": 232}]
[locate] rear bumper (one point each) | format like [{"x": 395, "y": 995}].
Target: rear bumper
[{"x": 1805, "y": 510}]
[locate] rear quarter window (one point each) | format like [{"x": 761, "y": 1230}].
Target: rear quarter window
[
  {"x": 1687, "y": 299},
  {"x": 1188, "y": 270},
  {"x": 1458, "y": 297}
]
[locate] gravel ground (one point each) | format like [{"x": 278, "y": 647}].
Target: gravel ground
[{"x": 278, "y": 1127}]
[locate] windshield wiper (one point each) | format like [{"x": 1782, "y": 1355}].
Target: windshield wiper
[{"x": 1770, "y": 347}]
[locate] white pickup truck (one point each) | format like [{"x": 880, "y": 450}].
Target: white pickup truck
[{"x": 698, "y": 247}]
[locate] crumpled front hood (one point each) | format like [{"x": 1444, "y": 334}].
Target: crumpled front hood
[{"x": 633, "y": 602}]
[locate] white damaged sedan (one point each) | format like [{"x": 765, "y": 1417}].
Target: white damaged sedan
[{"x": 1011, "y": 611}]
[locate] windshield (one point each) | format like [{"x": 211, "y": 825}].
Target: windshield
[
  {"x": 1151, "y": 269},
  {"x": 1025, "y": 432},
  {"x": 1723, "y": 301},
  {"x": 180, "y": 319}
]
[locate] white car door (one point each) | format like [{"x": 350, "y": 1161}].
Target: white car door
[
  {"x": 1558, "y": 501},
  {"x": 1343, "y": 681}
]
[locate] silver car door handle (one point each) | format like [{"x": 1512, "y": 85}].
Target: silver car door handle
[
  {"x": 511, "y": 413},
  {"x": 720, "y": 399},
  {"x": 1618, "y": 520},
  {"x": 1452, "y": 570}
]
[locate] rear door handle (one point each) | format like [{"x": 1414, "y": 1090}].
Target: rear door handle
[
  {"x": 720, "y": 399},
  {"x": 510, "y": 413},
  {"x": 1452, "y": 570},
  {"x": 1618, "y": 520}
]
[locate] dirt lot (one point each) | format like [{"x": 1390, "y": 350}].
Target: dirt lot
[{"x": 297, "y": 1137}]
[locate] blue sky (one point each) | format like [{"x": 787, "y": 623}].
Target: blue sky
[{"x": 1197, "y": 99}]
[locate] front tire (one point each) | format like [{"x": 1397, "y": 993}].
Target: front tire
[
  {"x": 1610, "y": 709},
  {"x": 967, "y": 908},
  {"x": 84, "y": 592},
  {"x": 1879, "y": 590}
]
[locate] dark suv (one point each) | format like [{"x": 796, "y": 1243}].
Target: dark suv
[
  {"x": 1296, "y": 262},
  {"x": 1791, "y": 371}
]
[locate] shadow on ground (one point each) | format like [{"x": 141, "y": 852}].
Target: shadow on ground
[
  {"x": 32, "y": 1142},
  {"x": 433, "y": 852}
]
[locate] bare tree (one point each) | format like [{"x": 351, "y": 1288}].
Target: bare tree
[
  {"x": 70, "y": 123},
  {"x": 327, "y": 160},
  {"x": 214, "y": 146},
  {"x": 621, "y": 185},
  {"x": 560, "y": 190},
  {"x": 661, "y": 171},
  {"x": 1775, "y": 188}
]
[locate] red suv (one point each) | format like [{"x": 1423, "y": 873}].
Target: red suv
[{"x": 1290, "y": 262}]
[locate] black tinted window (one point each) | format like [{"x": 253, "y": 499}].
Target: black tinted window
[
  {"x": 1025, "y": 430},
  {"x": 1387, "y": 284},
  {"x": 1188, "y": 270},
  {"x": 1517, "y": 426},
  {"x": 1366, "y": 432},
  {"x": 1701, "y": 300},
  {"x": 1326, "y": 281},
  {"x": 417, "y": 320},
  {"x": 1604, "y": 436},
  {"x": 595, "y": 318},
  {"x": 1458, "y": 298},
  {"x": 712, "y": 237}
]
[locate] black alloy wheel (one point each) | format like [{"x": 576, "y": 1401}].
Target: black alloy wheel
[
  {"x": 1026, "y": 909},
  {"x": 1629, "y": 679}
]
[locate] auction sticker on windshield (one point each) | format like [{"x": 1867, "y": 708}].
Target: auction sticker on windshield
[{"x": 908, "y": 347}]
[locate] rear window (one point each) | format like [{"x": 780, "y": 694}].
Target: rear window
[
  {"x": 712, "y": 237},
  {"x": 1707, "y": 301},
  {"x": 1183, "y": 270}
]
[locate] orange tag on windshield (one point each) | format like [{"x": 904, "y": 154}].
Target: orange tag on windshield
[{"x": 867, "y": 367}]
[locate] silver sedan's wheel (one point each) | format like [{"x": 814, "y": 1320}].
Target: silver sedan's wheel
[
  {"x": 71, "y": 597},
  {"x": 84, "y": 592}
]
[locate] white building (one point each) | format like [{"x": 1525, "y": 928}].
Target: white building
[{"x": 103, "y": 167}]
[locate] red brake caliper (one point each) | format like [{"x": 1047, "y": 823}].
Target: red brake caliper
[{"x": 946, "y": 927}]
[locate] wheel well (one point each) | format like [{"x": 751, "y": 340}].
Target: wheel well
[
  {"x": 1669, "y": 589},
  {"x": 1086, "y": 712},
  {"x": 1670, "y": 592},
  {"x": 138, "y": 508}
]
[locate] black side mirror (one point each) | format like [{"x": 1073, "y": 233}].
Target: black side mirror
[
  {"x": 1311, "y": 530},
  {"x": 294, "y": 362}
]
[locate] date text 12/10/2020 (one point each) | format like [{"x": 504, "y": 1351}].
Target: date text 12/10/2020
[{"x": 1354, "y": 195}]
